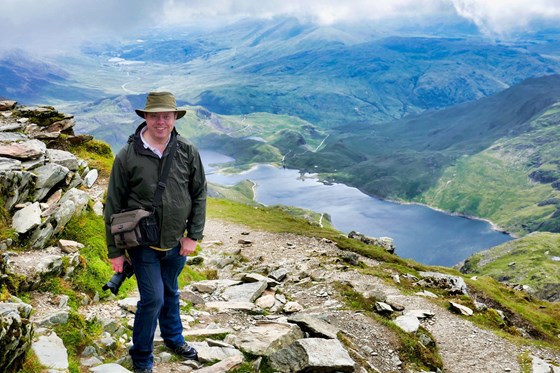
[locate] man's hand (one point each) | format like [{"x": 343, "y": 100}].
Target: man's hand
[
  {"x": 188, "y": 246},
  {"x": 118, "y": 263}
]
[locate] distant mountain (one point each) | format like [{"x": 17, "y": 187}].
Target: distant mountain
[
  {"x": 332, "y": 76},
  {"x": 31, "y": 80},
  {"x": 401, "y": 115}
]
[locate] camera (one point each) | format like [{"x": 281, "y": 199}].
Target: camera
[{"x": 118, "y": 278}]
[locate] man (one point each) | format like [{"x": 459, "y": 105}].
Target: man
[{"x": 181, "y": 215}]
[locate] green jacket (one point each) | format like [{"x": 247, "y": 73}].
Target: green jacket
[{"x": 134, "y": 177}]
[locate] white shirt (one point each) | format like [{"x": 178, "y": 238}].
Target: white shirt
[{"x": 148, "y": 146}]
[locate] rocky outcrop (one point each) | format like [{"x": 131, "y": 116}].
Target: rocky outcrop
[
  {"x": 384, "y": 242},
  {"x": 16, "y": 334},
  {"x": 42, "y": 187}
]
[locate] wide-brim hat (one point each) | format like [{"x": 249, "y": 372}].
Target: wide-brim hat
[{"x": 157, "y": 102}]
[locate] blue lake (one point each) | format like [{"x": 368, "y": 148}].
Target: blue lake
[{"x": 428, "y": 236}]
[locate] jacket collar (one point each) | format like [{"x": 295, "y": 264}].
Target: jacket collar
[{"x": 138, "y": 145}]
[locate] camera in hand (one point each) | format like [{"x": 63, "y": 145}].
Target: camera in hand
[{"x": 118, "y": 278}]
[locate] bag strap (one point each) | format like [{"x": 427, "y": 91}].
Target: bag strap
[{"x": 163, "y": 177}]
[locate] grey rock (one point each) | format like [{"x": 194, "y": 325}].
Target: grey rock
[
  {"x": 51, "y": 352},
  {"x": 291, "y": 307},
  {"x": 63, "y": 215},
  {"x": 453, "y": 284},
  {"x": 247, "y": 292},
  {"x": 23, "y": 150},
  {"x": 41, "y": 236},
  {"x": 420, "y": 314},
  {"x": 69, "y": 246},
  {"x": 464, "y": 310},
  {"x": 408, "y": 323},
  {"x": 9, "y": 164},
  {"x": 50, "y": 265},
  {"x": 19, "y": 183},
  {"x": 109, "y": 368},
  {"x": 48, "y": 176},
  {"x": 27, "y": 218},
  {"x": 90, "y": 361},
  {"x": 91, "y": 178},
  {"x": 79, "y": 197},
  {"x": 382, "y": 307},
  {"x": 265, "y": 338},
  {"x": 53, "y": 319},
  {"x": 313, "y": 355},
  {"x": 16, "y": 333},
  {"x": 210, "y": 286},
  {"x": 224, "y": 307},
  {"x": 315, "y": 326},
  {"x": 63, "y": 158},
  {"x": 207, "y": 354},
  {"x": 279, "y": 274}
]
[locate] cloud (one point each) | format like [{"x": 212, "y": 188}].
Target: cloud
[
  {"x": 52, "y": 25},
  {"x": 505, "y": 16},
  {"x": 62, "y": 24},
  {"x": 321, "y": 11}
]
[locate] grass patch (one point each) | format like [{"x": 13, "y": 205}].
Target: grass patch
[
  {"x": 98, "y": 155},
  {"x": 539, "y": 319},
  {"x": 89, "y": 229},
  {"x": 30, "y": 364},
  {"x": 6, "y": 231}
]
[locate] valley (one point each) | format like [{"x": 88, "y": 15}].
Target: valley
[{"x": 410, "y": 116}]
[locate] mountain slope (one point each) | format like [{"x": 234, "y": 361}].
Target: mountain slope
[
  {"x": 415, "y": 158},
  {"x": 531, "y": 261}
]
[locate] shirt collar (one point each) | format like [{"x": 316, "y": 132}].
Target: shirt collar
[{"x": 148, "y": 146}]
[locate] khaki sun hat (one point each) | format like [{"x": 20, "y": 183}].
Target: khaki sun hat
[{"x": 157, "y": 102}]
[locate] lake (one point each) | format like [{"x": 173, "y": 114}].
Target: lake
[{"x": 423, "y": 234}]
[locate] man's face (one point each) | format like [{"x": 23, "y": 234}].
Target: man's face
[{"x": 160, "y": 124}]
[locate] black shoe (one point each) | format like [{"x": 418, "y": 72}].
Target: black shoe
[
  {"x": 186, "y": 352},
  {"x": 142, "y": 370}
]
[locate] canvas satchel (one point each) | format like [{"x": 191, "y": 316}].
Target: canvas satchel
[{"x": 139, "y": 227}]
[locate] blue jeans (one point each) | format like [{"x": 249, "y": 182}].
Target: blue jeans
[{"x": 156, "y": 273}]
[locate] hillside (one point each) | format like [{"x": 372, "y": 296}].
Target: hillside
[
  {"x": 487, "y": 158},
  {"x": 267, "y": 290},
  {"x": 530, "y": 262}
]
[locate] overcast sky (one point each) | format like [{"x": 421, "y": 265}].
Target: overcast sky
[{"x": 60, "y": 24}]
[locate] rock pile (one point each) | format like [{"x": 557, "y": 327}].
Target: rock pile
[{"x": 40, "y": 186}]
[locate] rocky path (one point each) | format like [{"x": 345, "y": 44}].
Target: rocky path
[
  {"x": 314, "y": 266},
  {"x": 310, "y": 270}
]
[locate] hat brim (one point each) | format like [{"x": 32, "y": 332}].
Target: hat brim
[{"x": 140, "y": 112}]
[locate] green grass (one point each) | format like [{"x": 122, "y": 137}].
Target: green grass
[
  {"x": 488, "y": 185},
  {"x": 97, "y": 153},
  {"x": 6, "y": 230},
  {"x": 89, "y": 229},
  {"x": 526, "y": 261},
  {"x": 241, "y": 192}
]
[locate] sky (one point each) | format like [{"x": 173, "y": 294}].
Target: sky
[{"x": 62, "y": 24}]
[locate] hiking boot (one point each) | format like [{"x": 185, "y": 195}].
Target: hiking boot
[
  {"x": 142, "y": 370},
  {"x": 186, "y": 352}
]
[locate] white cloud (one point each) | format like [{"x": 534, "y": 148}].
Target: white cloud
[
  {"x": 59, "y": 24},
  {"x": 323, "y": 11},
  {"x": 504, "y": 16}
]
